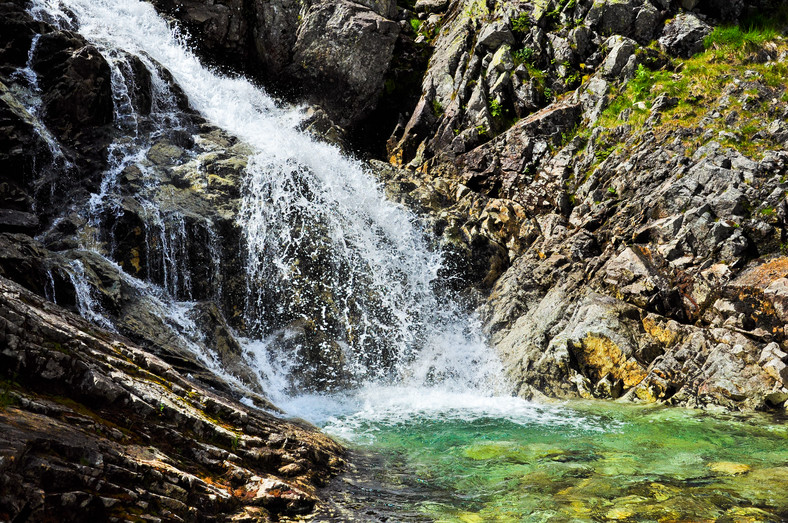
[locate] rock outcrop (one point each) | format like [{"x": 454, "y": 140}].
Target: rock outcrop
[
  {"x": 334, "y": 54},
  {"x": 134, "y": 408},
  {"x": 341, "y": 54},
  {"x": 641, "y": 204},
  {"x": 93, "y": 426}
]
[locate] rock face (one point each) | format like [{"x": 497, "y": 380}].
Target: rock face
[
  {"x": 335, "y": 54},
  {"x": 340, "y": 56},
  {"x": 642, "y": 250},
  {"x": 684, "y": 35},
  {"x": 73, "y": 84},
  {"x": 95, "y": 427}
]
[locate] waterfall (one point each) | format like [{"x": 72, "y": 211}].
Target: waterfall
[{"x": 342, "y": 287}]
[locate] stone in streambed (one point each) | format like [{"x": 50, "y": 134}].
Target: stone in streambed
[{"x": 728, "y": 468}]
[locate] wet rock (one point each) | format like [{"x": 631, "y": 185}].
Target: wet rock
[
  {"x": 319, "y": 124},
  {"x": 478, "y": 234},
  {"x": 223, "y": 27},
  {"x": 220, "y": 340},
  {"x": 328, "y": 52},
  {"x": 75, "y": 83},
  {"x": 18, "y": 221},
  {"x": 17, "y": 30},
  {"x": 21, "y": 150}
]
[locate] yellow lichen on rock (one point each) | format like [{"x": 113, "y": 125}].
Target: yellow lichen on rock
[
  {"x": 606, "y": 357},
  {"x": 135, "y": 260},
  {"x": 660, "y": 330}
]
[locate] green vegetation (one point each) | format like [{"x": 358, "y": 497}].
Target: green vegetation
[
  {"x": 768, "y": 211},
  {"x": 704, "y": 81},
  {"x": 521, "y": 24},
  {"x": 7, "y": 399},
  {"x": 523, "y": 56},
  {"x": 568, "y": 136},
  {"x": 437, "y": 108},
  {"x": 752, "y": 33},
  {"x": 603, "y": 153},
  {"x": 415, "y": 23},
  {"x": 548, "y": 94},
  {"x": 495, "y": 108},
  {"x": 734, "y": 37}
]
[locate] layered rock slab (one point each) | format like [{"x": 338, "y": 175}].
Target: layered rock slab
[{"x": 93, "y": 426}]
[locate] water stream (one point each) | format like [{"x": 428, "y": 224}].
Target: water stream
[{"x": 347, "y": 325}]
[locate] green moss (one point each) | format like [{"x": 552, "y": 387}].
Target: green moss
[{"x": 521, "y": 24}]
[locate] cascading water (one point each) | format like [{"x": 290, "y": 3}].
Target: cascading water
[{"x": 341, "y": 284}]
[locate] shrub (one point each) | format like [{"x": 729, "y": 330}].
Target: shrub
[{"x": 523, "y": 56}]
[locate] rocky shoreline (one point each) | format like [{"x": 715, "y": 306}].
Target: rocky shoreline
[{"x": 93, "y": 426}]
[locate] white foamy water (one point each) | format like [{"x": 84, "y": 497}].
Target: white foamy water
[{"x": 336, "y": 274}]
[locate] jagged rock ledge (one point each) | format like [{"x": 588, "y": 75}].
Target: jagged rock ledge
[{"x": 94, "y": 428}]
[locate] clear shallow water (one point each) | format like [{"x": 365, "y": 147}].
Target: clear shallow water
[{"x": 459, "y": 458}]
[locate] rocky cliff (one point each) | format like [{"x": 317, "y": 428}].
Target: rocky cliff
[
  {"x": 630, "y": 161},
  {"x": 607, "y": 178}
]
